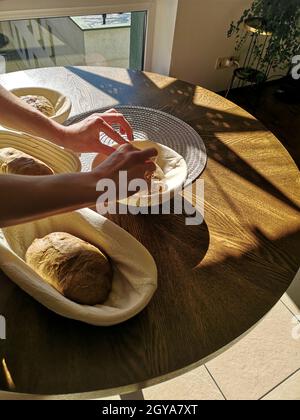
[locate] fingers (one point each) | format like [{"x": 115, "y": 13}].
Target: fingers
[
  {"x": 105, "y": 149},
  {"x": 110, "y": 132},
  {"x": 150, "y": 166},
  {"x": 138, "y": 156},
  {"x": 128, "y": 158},
  {"x": 141, "y": 158},
  {"x": 146, "y": 155},
  {"x": 111, "y": 111},
  {"x": 121, "y": 121},
  {"x": 112, "y": 116},
  {"x": 127, "y": 147}
]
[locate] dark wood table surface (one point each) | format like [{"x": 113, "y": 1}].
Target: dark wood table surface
[{"x": 215, "y": 281}]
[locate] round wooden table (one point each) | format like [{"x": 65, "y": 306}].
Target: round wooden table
[{"x": 215, "y": 281}]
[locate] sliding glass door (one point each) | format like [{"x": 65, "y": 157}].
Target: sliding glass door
[{"x": 106, "y": 39}]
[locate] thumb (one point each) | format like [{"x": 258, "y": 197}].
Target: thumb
[{"x": 103, "y": 148}]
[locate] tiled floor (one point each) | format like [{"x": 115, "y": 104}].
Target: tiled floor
[{"x": 263, "y": 365}]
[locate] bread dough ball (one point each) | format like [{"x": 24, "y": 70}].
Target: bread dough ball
[
  {"x": 77, "y": 269},
  {"x": 40, "y": 103},
  {"x": 13, "y": 161}
]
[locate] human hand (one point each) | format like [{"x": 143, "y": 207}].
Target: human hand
[
  {"x": 84, "y": 136},
  {"x": 127, "y": 158}
]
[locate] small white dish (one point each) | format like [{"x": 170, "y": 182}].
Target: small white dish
[
  {"x": 134, "y": 278},
  {"x": 61, "y": 103},
  {"x": 59, "y": 159}
]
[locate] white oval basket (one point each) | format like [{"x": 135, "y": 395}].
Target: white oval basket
[
  {"x": 59, "y": 159},
  {"x": 134, "y": 278}
]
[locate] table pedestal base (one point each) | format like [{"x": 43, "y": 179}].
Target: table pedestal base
[{"x": 138, "y": 395}]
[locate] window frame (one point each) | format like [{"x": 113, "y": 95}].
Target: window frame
[{"x": 93, "y": 7}]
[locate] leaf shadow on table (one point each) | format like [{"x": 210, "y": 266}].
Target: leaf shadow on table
[{"x": 178, "y": 99}]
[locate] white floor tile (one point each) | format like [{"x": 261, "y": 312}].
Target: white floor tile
[
  {"x": 261, "y": 360},
  {"x": 288, "y": 390},
  {"x": 195, "y": 385}
]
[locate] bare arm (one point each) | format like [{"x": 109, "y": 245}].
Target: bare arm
[
  {"x": 80, "y": 137},
  {"x": 16, "y": 114},
  {"x": 26, "y": 198}
]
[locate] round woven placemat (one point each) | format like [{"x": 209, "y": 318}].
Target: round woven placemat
[{"x": 155, "y": 125}]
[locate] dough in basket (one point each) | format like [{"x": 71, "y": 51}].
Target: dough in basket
[
  {"x": 40, "y": 103},
  {"x": 13, "y": 161},
  {"x": 77, "y": 269}
]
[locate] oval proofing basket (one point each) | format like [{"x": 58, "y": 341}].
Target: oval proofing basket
[
  {"x": 59, "y": 159},
  {"x": 134, "y": 277},
  {"x": 61, "y": 103}
]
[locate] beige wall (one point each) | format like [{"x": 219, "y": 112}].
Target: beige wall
[
  {"x": 165, "y": 19},
  {"x": 200, "y": 38}
]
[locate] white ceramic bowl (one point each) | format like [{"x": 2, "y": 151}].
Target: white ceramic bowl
[
  {"x": 59, "y": 159},
  {"x": 61, "y": 103}
]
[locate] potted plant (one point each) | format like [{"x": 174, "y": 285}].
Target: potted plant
[{"x": 276, "y": 26}]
